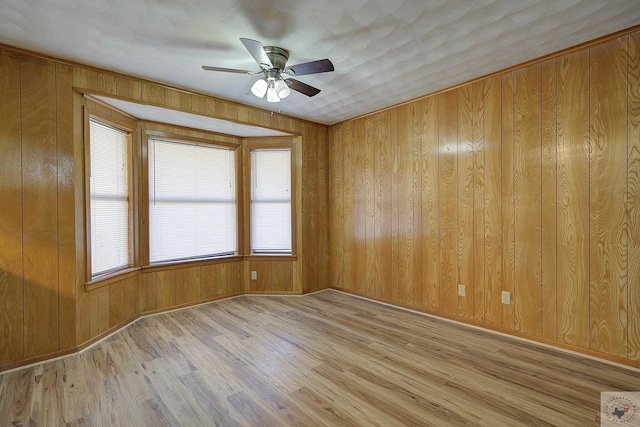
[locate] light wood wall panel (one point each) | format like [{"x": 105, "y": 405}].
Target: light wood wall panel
[
  {"x": 388, "y": 220},
  {"x": 548, "y": 196},
  {"x": 573, "y": 198},
  {"x": 448, "y": 201},
  {"x": 66, "y": 206},
  {"x": 633, "y": 185},
  {"x": 272, "y": 276},
  {"x": 477, "y": 141},
  {"x": 310, "y": 208},
  {"x": 507, "y": 199},
  {"x": 336, "y": 203},
  {"x": 321, "y": 211},
  {"x": 429, "y": 221},
  {"x": 465, "y": 197},
  {"x": 525, "y": 182},
  {"x": 179, "y": 286},
  {"x": 408, "y": 209},
  {"x": 608, "y": 196},
  {"x": 350, "y": 215},
  {"x": 371, "y": 136},
  {"x": 360, "y": 171},
  {"x": 11, "y": 278},
  {"x": 527, "y": 200},
  {"x": 493, "y": 230},
  {"x": 39, "y": 180}
]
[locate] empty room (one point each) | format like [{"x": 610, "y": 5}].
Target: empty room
[{"x": 302, "y": 213}]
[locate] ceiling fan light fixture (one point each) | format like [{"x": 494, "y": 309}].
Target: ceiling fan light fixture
[
  {"x": 273, "y": 67},
  {"x": 282, "y": 89},
  {"x": 259, "y": 88},
  {"x": 272, "y": 95}
]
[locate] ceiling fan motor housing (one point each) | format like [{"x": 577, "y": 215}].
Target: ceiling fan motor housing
[{"x": 278, "y": 56}]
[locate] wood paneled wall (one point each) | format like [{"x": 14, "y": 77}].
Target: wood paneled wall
[
  {"x": 272, "y": 276},
  {"x": 44, "y": 307},
  {"x": 526, "y": 182},
  {"x": 37, "y": 218},
  {"x": 314, "y": 210},
  {"x": 179, "y": 287}
]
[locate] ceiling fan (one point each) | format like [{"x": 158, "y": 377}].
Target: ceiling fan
[{"x": 276, "y": 80}]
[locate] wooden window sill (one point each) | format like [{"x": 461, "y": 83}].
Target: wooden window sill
[{"x": 110, "y": 278}]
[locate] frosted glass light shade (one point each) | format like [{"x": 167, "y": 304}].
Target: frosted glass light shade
[
  {"x": 259, "y": 88},
  {"x": 282, "y": 88},
  {"x": 272, "y": 95}
]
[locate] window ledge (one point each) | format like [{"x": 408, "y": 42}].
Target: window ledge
[
  {"x": 107, "y": 279},
  {"x": 162, "y": 266},
  {"x": 270, "y": 257}
]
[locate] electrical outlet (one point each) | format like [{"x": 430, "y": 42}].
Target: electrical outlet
[
  {"x": 462, "y": 290},
  {"x": 506, "y": 297},
  {"x": 254, "y": 275}
]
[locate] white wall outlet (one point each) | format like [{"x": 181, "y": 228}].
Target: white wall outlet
[
  {"x": 254, "y": 275},
  {"x": 506, "y": 297},
  {"x": 462, "y": 290}
]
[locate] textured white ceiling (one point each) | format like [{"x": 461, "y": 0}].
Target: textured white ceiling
[{"x": 384, "y": 51}]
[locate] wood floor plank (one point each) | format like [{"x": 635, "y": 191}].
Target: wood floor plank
[{"x": 324, "y": 359}]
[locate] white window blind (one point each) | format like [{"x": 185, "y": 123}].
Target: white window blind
[
  {"x": 109, "y": 198},
  {"x": 271, "y": 201},
  {"x": 192, "y": 201}
]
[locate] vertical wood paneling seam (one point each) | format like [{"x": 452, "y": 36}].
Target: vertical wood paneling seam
[
  {"x": 501, "y": 222},
  {"x": 473, "y": 201},
  {"x": 55, "y": 94},
  {"x": 540, "y": 268},
  {"x": 513, "y": 195},
  {"x": 590, "y": 144},
  {"x": 395, "y": 233},
  {"x": 484, "y": 216},
  {"x": 626, "y": 195},
  {"x": 557, "y": 100},
  {"x": 375, "y": 139},
  {"x": 439, "y": 287},
  {"x": 455, "y": 238},
  {"x": 484, "y": 204},
  {"x": 456, "y": 231},
  {"x": 418, "y": 180},
  {"x": 21, "y": 196}
]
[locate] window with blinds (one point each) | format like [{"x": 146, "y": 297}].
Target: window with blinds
[
  {"x": 192, "y": 201},
  {"x": 109, "y": 198},
  {"x": 271, "y": 201}
]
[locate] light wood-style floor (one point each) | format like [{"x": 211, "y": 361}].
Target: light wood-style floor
[{"x": 322, "y": 359}]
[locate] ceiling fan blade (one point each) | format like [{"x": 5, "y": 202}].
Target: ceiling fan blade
[
  {"x": 302, "y": 87},
  {"x": 256, "y": 50},
  {"x": 226, "y": 70},
  {"x": 314, "y": 67}
]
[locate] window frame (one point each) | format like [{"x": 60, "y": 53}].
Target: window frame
[
  {"x": 103, "y": 118},
  {"x": 269, "y": 144},
  {"x": 144, "y": 199}
]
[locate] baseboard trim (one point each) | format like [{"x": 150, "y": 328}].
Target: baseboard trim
[
  {"x": 631, "y": 365},
  {"x": 87, "y": 345}
]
